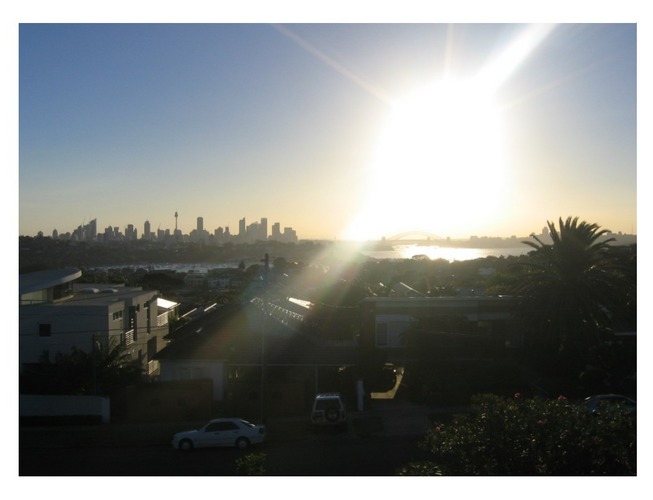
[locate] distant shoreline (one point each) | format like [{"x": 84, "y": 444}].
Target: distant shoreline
[{"x": 487, "y": 242}]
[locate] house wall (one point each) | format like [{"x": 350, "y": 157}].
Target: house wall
[
  {"x": 77, "y": 323},
  {"x": 390, "y": 329},
  {"x": 384, "y": 321},
  {"x": 36, "y": 297},
  {"x": 187, "y": 369},
  {"x": 69, "y": 326},
  {"x": 34, "y": 408}
]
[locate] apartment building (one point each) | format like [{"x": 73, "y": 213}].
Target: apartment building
[{"x": 57, "y": 313}]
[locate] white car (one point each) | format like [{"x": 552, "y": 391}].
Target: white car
[{"x": 221, "y": 432}]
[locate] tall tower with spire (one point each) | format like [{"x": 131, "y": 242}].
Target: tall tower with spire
[{"x": 176, "y": 215}]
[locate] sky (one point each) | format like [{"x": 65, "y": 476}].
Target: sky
[{"x": 338, "y": 130}]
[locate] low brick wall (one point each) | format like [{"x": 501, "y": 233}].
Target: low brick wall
[{"x": 49, "y": 409}]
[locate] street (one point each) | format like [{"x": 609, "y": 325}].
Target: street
[{"x": 319, "y": 455}]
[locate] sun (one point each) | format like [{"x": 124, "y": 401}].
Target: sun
[{"x": 439, "y": 164}]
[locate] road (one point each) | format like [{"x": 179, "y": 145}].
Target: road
[{"x": 319, "y": 455}]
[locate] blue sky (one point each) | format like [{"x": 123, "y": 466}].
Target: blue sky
[{"x": 301, "y": 123}]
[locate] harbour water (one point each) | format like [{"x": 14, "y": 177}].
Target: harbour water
[
  {"x": 449, "y": 253},
  {"x": 344, "y": 252}
]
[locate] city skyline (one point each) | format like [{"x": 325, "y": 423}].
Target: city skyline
[
  {"x": 245, "y": 232},
  {"x": 248, "y": 232},
  {"x": 346, "y": 131}
]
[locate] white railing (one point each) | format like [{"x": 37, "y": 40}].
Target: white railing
[
  {"x": 162, "y": 319},
  {"x": 152, "y": 367},
  {"x": 129, "y": 337}
]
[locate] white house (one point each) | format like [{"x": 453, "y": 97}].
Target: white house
[{"x": 56, "y": 314}]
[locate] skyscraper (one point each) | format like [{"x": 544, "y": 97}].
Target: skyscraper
[
  {"x": 92, "y": 230},
  {"x": 276, "y": 231},
  {"x": 242, "y": 228},
  {"x": 263, "y": 230}
]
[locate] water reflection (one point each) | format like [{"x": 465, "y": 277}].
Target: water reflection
[{"x": 450, "y": 254}]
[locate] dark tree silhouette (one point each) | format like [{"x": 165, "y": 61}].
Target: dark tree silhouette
[
  {"x": 106, "y": 368},
  {"x": 573, "y": 290}
]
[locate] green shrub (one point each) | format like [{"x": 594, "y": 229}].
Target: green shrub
[
  {"x": 519, "y": 436},
  {"x": 252, "y": 464},
  {"x": 422, "y": 468}
]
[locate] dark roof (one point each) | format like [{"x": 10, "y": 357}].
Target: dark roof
[
  {"x": 41, "y": 280},
  {"x": 239, "y": 334}
]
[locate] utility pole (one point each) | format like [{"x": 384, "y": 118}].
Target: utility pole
[
  {"x": 266, "y": 260},
  {"x": 263, "y": 363}
]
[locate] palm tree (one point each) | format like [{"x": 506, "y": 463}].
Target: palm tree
[
  {"x": 113, "y": 366},
  {"x": 572, "y": 289}
]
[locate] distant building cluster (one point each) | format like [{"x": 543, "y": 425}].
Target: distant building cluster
[{"x": 247, "y": 233}]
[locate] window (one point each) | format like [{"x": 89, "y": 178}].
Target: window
[
  {"x": 117, "y": 315},
  {"x": 221, "y": 426},
  {"x": 45, "y": 329},
  {"x": 148, "y": 317},
  {"x": 62, "y": 291}
]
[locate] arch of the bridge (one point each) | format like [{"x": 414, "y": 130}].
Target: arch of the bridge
[{"x": 415, "y": 235}]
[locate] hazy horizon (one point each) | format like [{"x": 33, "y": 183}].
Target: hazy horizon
[
  {"x": 340, "y": 131},
  {"x": 397, "y": 237}
]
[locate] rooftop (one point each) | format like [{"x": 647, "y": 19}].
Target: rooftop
[
  {"x": 41, "y": 280},
  {"x": 239, "y": 334}
]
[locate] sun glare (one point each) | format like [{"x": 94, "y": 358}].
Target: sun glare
[{"x": 439, "y": 164}]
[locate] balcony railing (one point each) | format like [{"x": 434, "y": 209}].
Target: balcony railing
[
  {"x": 162, "y": 319},
  {"x": 128, "y": 338},
  {"x": 152, "y": 367}
]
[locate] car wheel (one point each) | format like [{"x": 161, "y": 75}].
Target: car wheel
[
  {"x": 186, "y": 444},
  {"x": 242, "y": 443}
]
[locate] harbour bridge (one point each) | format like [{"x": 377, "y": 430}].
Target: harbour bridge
[{"x": 415, "y": 236}]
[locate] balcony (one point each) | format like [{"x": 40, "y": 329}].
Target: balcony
[{"x": 128, "y": 338}]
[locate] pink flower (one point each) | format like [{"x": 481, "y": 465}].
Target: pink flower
[
  {"x": 562, "y": 398},
  {"x": 541, "y": 422},
  {"x": 517, "y": 395},
  {"x": 437, "y": 428}
]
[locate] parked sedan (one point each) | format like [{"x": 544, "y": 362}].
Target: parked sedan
[
  {"x": 221, "y": 432},
  {"x": 610, "y": 402}
]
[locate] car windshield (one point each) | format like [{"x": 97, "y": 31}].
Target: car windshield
[{"x": 326, "y": 404}]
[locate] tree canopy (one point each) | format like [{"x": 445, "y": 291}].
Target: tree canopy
[{"x": 574, "y": 289}]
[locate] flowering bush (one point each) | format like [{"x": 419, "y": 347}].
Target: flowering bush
[
  {"x": 524, "y": 436},
  {"x": 424, "y": 468},
  {"x": 252, "y": 464}
]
